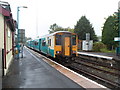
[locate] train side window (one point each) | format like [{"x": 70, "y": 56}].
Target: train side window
[
  {"x": 36, "y": 43},
  {"x": 58, "y": 39},
  {"x": 74, "y": 40},
  {"x": 49, "y": 42},
  {"x": 43, "y": 43}
]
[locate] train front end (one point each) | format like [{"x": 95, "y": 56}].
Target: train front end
[{"x": 65, "y": 45}]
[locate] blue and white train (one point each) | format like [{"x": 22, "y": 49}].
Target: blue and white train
[{"x": 57, "y": 44}]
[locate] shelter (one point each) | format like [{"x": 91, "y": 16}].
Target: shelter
[{"x": 7, "y": 29}]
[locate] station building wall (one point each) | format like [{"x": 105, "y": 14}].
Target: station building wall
[
  {"x": 1, "y": 31},
  {"x": 5, "y": 27}
]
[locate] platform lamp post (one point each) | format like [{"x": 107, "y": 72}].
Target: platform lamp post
[
  {"x": 18, "y": 46},
  {"x": 118, "y": 38},
  {"x": 119, "y": 24}
]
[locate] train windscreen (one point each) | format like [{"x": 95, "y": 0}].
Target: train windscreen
[
  {"x": 58, "y": 39},
  {"x": 74, "y": 40}
]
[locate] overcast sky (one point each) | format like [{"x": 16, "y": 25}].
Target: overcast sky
[{"x": 40, "y": 14}]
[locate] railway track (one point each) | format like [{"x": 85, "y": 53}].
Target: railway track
[
  {"x": 107, "y": 83},
  {"x": 99, "y": 63},
  {"x": 106, "y": 75},
  {"x": 98, "y": 67}
]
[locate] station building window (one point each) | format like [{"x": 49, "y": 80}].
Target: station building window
[
  {"x": 58, "y": 39},
  {"x": 9, "y": 33},
  {"x": 74, "y": 40}
]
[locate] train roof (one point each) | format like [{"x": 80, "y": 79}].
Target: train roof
[
  {"x": 55, "y": 33},
  {"x": 51, "y": 35}
]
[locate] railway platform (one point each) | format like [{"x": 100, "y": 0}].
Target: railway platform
[
  {"x": 109, "y": 56},
  {"x": 33, "y": 72}
]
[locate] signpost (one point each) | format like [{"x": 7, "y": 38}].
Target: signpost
[
  {"x": 18, "y": 46},
  {"x": 118, "y": 38},
  {"x": 21, "y": 40},
  {"x": 21, "y": 35}
]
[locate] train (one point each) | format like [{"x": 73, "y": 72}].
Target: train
[{"x": 60, "y": 44}]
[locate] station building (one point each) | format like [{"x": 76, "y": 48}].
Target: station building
[{"x": 7, "y": 29}]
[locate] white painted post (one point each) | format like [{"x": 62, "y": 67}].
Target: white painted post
[{"x": 119, "y": 5}]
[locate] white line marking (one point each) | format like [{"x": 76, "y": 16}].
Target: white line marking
[
  {"x": 33, "y": 56},
  {"x": 99, "y": 56}
]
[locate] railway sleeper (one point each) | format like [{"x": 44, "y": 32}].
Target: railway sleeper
[{"x": 106, "y": 81}]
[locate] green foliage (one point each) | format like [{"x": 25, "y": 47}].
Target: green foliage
[
  {"x": 82, "y": 27},
  {"x": 98, "y": 46},
  {"x": 110, "y": 30},
  {"x": 55, "y": 27},
  {"x": 105, "y": 50},
  {"x": 70, "y": 30}
]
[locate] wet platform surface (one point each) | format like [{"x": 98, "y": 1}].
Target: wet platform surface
[
  {"x": 76, "y": 77},
  {"x": 32, "y": 72}
]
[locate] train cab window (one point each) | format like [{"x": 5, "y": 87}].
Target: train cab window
[
  {"x": 58, "y": 39},
  {"x": 43, "y": 43},
  {"x": 74, "y": 40}
]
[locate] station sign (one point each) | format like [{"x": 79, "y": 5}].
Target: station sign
[
  {"x": 117, "y": 39},
  {"x": 22, "y": 35}
]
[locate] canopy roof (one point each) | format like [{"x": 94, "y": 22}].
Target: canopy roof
[{"x": 5, "y": 10}]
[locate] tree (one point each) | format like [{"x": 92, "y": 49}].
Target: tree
[
  {"x": 110, "y": 30},
  {"x": 82, "y": 27},
  {"x": 69, "y": 29},
  {"x": 55, "y": 27}
]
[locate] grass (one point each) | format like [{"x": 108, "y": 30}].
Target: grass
[{"x": 104, "y": 50}]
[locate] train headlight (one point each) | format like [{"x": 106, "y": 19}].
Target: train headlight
[
  {"x": 73, "y": 51},
  {"x": 58, "y": 52}
]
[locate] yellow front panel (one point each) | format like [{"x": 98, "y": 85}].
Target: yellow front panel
[
  {"x": 74, "y": 48},
  {"x": 58, "y": 48},
  {"x": 67, "y": 46}
]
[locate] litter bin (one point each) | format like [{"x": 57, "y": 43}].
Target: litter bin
[{"x": 118, "y": 51}]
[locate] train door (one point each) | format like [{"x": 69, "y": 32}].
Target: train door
[
  {"x": 67, "y": 46},
  {"x": 39, "y": 44}
]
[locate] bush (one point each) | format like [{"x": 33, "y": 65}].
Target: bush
[
  {"x": 98, "y": 46},
  {"x": 105, "y": 50}
]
